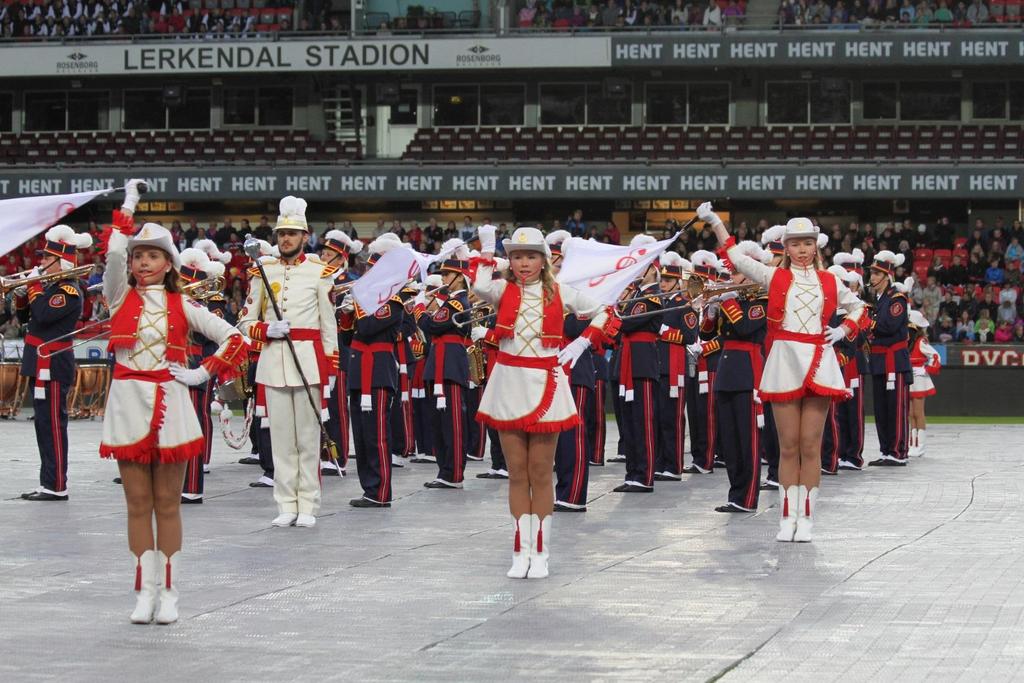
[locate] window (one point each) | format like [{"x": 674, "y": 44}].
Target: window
[
  {"x": 6, "y": 111},
  {"x": 709, "y": 103},
  {"x": 666, "y": 104},
  {"x": 45, "y": 111},
  {"x": 456, "y": 105},
  {"x": 502, "y": 105},
  {"x": 830, "y": 101},
  {"x": 563, "y": 104},
  {"x": 403, "y": 112},
  {"x": 786, "y": 103},
  {"x": 259, "y": 107},
  {"x": 880, "y": 101},
  {"x": 930, "y": 101},
  {"x": 144, "y": 110},
  {"x": 193, "y": 112},
  {"x": 989, "y": 100},
  {"x": 1017, "y": 101},
  {"x": 88, "y": 110},
  {"x": 75, "y": 110},
  {"x": 604, "y": 109}
]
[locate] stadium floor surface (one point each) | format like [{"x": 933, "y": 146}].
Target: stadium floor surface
[{"x": 915, "y": 573}]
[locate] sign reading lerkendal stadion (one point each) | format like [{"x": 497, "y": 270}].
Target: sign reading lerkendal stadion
[
  {"x": 542, "y": 182},
  {"x": 751, "y": 49}
]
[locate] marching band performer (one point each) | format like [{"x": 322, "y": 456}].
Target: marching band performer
[
  {"x": 338, "y": 251},
  {"x": 476, "y": 434},
  {"x": 51, "y": 311},
  {"x": 737, "y": 404},
  {"x": 302, "y": 287},
  {"x": 531, "y": 359},
  {"x": 672, "y": 360},
  {"x": 596, "y": 438},
  {"x": 151, "y": 428},
  {"x": 891, "y": 372},
  {"x": 423, "y": 429},
  {"x": 403, "y": 431},
  {"x": 638, "y": 379},
  {"x": 924, "y": 359},
  {"x": 702, "y": 361},
  {"x": 485, "y": 337},
  {"x": 771, "y": 240},
  {"x": 801, "y": 373},
  {"x": 447, "y": 370},
  {"x": 850, "y": 414},
  {"x": 218, "y": 304}
]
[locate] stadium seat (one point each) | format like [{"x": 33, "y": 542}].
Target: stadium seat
[
  {"x": 923, "y": 254},
  {"x": 945, "y": 255}
]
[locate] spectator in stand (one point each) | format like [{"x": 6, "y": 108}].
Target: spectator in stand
[
  {"x": 1004, "y": 332},
  {"x": 931, "y": 298},
  {"x": 949, "y": 308},
  {"x": 965, "y": 328},
  {"x": 1013, "y": 274},
  {"x": 987, "y": 304},
  {"x": 1014, "y": 250},
  {"x": 575, "y": 225},
  {"x": 712, "y": 15},
  {"x": 1007, "y": 311},
  {"x": 943, "y": 15},
  {"x": 994, "y": 275},
  {"x": 976, "y": 269},
  {"x": 612, "y": 234},
  {"x": 956, "y": 274},
  {"x": 977, "y": 13},
  {"x": 985, "y": 328},
  {"x": 415, "y": 236},
  {"x": 945, "y": 331},
  {"x": 264, "y": 231},
  {"x": 1018, "y": 332},
  {"x": 611, "y": 13},
  {"x": 937, "y": 269}
]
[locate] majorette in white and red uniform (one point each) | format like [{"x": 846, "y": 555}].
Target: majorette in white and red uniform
[
  {"x": 800, "y": 303},
  {"x": 527, "y": 389},
  {"x": 923, "y": 356},
  {"x": 150, "y": 416}
]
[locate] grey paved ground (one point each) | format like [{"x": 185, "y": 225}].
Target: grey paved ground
[{"x": 914, "y": 574}]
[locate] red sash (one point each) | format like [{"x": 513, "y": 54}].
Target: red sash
[
  {"x": 366, "y": 352},
  {"x": 43, "y": 362},
  {"x": 626, "y": 360},
  {"x": 440, "y": 345},
  {"x": 890, "y": 354}
]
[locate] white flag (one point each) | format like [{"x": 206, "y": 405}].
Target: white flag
[
  {"x": 603, "y": 271},
  {"x": 388, "y": 275},
  {"x": 23, "y": 218}
]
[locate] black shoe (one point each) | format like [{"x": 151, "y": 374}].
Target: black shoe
[
  {"x": 693, "y": 469},
  {"x": 565, "y": 508},
  {"x": 888, "y": 462},
  {"x": 249, "y": 460},
  {"x": 365, "y": 503},
  {"x": 594, "y": 463},
  {"x": 831, "y": 474},
  {"x": 422, "y": 460},
  {"x": 658, "y": 476},
  {"x": 329, "y": 472},
  {"x": 731, "y": 508},
  {"x": 117, "y": 480},
  {"x": 42, "y": 496},
  {"x": 719, "y": 463},
  {"x": 191, "y": 501},
  {"x": 632, "y": 488},
  {"x": 438, "y": 484},
  {"x": 491, "y": 475},
  {"x": 769, "y": 486},
  {"x": 260, "y": 485}
]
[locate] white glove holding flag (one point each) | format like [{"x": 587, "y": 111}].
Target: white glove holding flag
[
  {"x": 478, "y": 333},
  {"x": 706, "y": 214},
  {"x": 347, "y": 304},
  {"x": 131, "y": 195},
  {"x": 488, "y": 238},
  {"x": 834, "y": 334},
  {"x": 573, "y": 350},
  {"x": 278, "y": 329},
  {"x": 190, "y": 377}
]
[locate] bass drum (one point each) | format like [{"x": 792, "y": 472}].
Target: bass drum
[
  {"x": 88, "y": 395},
  {"x": 13, "y": 388}
]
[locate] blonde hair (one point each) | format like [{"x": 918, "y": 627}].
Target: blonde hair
[{"x": 547, "y": 280}]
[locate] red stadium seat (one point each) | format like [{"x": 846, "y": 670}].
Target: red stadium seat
[
  {"x": 921, "y": 271},
  {"x": 923, "y": 254},
  {"x": 945, "y": 255}
]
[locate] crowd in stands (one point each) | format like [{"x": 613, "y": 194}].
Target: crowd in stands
[
  {"x": 952, "y": 13},
  {"x": 968, "y": 287},
  {"x": 565, "y": 14}
]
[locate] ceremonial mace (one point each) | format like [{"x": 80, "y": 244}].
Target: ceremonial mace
[{"x": 251, "y": 247}]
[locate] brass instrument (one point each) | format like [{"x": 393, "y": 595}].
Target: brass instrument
[
  {"x": 9, "y": 284},
  {"x": 473, "y": 312},
  {"x": 204, "y": 289},
  {"x": 74, "y": 333},
  {"x": 699, "y": 288},
  {"x": 477, "y": 363},
  {"x": 341, "y": 290}
]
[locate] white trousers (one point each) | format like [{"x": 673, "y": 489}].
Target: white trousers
[{"x": 295, "y": 439}]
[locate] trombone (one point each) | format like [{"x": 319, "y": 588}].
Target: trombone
[
  {"x": 204, "y": 289},
  {"x": 9, "y": 284},
  {"x": 473, "y": 313},
  {"x": 75, "y": 333},
  {"x": 700, "y": 294}
]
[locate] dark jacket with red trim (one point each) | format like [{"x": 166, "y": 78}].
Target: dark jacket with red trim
[
  {"x": 379, "y": 327},
  {"x": 682, "y": 323},
  {"x": 600, "y": 361},
  {"x": 645, "y": 354},
  {"x": 583, "y": 373},
  {"x": 709, "y": 334},
  {"x": 890, "y": 327},
  {"x": 743, "y": 321},
  {"x": 50, "y": 313},
  {"x": 441, "y": 323},
  {"x": 344, "y": 352},
  {"x": 218, "y": 306}
]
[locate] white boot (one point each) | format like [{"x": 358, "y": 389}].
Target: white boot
[
  {"x": 807, "y": 500},
  {"x": 167, "y": 568},
  {"x": 787, "y": 513},
  {"x": 520, "y": 547},
  {"x": 920, "y": 442},
  {"x": 145, "y": 587},
  {"x": 913, "y": 451},
  {"x": 539, "y": 548}
]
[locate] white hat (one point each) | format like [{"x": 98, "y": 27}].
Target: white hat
[
  {"x": 156, "y": 235},
  {"x": 887, "y": 262},
  {"x": 705, "y": 263},
  {"x": 433, "y": 280},
  {"x": 754, "y": 251},
  {"x": 848, "y": 260},
  {"x": 292, "y": 214},
  {"x": 800, "y": 227},
  {"x": 917, "y": 319},
  {"x": 384, "y": 243},
  {"x": 195, "y": 264},
  {"x": 527, "y": 239},
  {"x": 215, "y": 269},
  {"x": 773, "y": 234},
  {"x": 63, "y": 242},
  {"x": 558, "y": 241},
  {"x": 906, "y": 286},
  {"x": 455, "y": 248},
  {"x": 847, "y": 276},
  {"x": 212, "y": 251},
  {"x": 339, "y": 241},
  {"x": 642, "y": 240}
]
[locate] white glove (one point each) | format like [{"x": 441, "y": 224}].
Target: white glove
[
  {"x": 478, "y": 333},
  {"x": 278, "y": 329},
  {"x": 663, "y": 329},
  {"x": 331, "y": 382},
  {"x": 348, "y": 304},
  {"x": 695, "y": 349},
  {"x": 920, "y": 372},
  {"x": 131, "y": 195},
  {"x": 190, "y": 377},
  {"x": 573, "y": 350},
  {"x": 725, "y": 296},
  {"x": 705, "y": 214},
  {"x": 22, "y": 291},
  {"x": 834, "y": 334},
  {"x": 488, "y": 238},
  {"x": 711, "y": 311}
]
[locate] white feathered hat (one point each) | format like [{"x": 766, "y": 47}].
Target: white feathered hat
[
  {"x": 63, "y": 242},
  {"x": 292, "y": 214},
  {"x": 917, "y": 319},
  {"x": 772, "y": 239},
  {"x": 195, "y": 265},
  {"x": 558, "y": 241},
  {"x": 455, "y": 248},
  {"x": 674, "y": 265},
  {"x": 754, "y": 251},
  {"x": 847, "y": 276},
  {"x": 527, "y": 239},
  {"x": 156, "y": 235},
  {"x": 381, "y": 246},
  {"x": 906, "y": 286},
  {"x": 887, "y": 262},
  {"x": 212, "y": 251},
  {"x": 433, "y": 280},
  {"x": 339, "y": 241},
  {"x": 850, "y": 260},
  {"x": 642, "y": 240},
  {"x": 215, "y": 269},
  {"x": 705, "y": 264}
]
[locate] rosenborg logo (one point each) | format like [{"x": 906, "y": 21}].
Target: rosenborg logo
[
  {"x": 77, "y": 63},
  {"x": 479, "y": 56}
]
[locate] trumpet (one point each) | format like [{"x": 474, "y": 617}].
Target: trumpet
[
  {"x": 75, "y": 333},
  {"x": 341, "y": 290},
  {"x": 473, "y": 312},
  {"x": 204, "y": 289},
  {"x": 9, "y": 284},
  {"x": 698, "y": 288}
]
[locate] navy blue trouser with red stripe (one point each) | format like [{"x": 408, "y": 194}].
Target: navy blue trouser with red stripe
[
  {"x": 737, "y": 419},
  {"x": 892, "y": 409},
  {"x": 595, "y": 419},
  {"x": 475, "y": 436},
  {"x": 403, "y": 434},
  {"x": 497, "y": 455},
  {"x": 338, "y": 423},
  {"x": 830, "y": 440},
  {"x": 671, "y": 429},
  {"x": 700, "y": 409},
  {"x": 850, "y": 415},
  {"x": 449, "y": 425},
  {"x": 372, "y": 440},
  {"x": 641, "y": 414},
  {"x": 572, "y": 457},
  {"x": 200, "y": 395},
  {"x": 422, "y": 427},
  {"x": 51, "y": 423}
]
